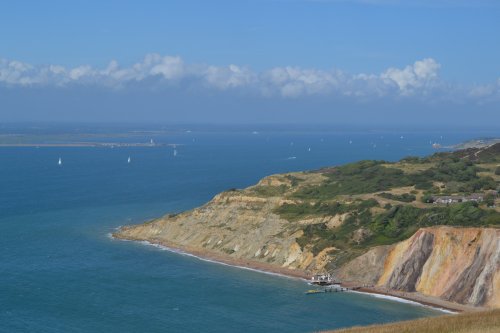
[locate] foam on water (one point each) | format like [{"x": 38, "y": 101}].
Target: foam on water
[
  {"x": 403, "y": 300},
  {"x": 381, "y": 296},
  {"x": 187, "y": 254}
]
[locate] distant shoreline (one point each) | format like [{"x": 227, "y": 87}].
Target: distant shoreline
[
  {"x": 89, "y": 144},
  {"x": 432, "y": 302}
]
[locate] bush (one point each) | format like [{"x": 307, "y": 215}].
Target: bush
[
  {"x": 405, "y": 197},
  {"x": 489, "y": 200}
]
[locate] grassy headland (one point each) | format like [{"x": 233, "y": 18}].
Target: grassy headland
[{"x": 382, "y": 203}]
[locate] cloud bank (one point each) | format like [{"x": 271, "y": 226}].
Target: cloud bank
[{"x": 420, "y": 79}]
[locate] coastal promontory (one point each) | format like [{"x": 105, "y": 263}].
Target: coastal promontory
[{"x": 420, "y": 227}]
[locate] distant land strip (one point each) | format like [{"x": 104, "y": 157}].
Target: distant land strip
[{"x": 90, "y": 144}]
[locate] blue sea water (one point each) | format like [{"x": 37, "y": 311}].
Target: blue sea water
[{"x": 61, "y": 272}]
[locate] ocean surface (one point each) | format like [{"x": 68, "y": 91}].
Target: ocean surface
[{"x": 61, "y": 272}]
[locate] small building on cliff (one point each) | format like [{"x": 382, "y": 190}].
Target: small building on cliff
[{"x": 449, "y": 199}]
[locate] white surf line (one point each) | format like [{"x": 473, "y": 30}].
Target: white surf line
[
  {"x": 177, "y": 251},
  {"x": 404, "y": 300},
  {"x": 187, "y": 254}
]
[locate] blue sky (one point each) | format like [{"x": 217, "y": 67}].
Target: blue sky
[{"x": 249, "y": 60}]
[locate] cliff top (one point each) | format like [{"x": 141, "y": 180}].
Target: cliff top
[{"x": 368, "y": 203}]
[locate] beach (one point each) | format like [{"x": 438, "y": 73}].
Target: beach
[{"x": 395, "y": 295}]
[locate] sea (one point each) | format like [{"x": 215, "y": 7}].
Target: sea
[{"x": 60, "y": 271}]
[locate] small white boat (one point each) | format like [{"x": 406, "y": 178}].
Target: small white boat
[
  {"x": 59, "y": 162},
  {"x": 128, "y": 160},
  {"x": 175, "y": 152},
  {"x": 308, "y": 149}
]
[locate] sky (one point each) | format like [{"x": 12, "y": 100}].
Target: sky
[{"x": 240, "y": 61}]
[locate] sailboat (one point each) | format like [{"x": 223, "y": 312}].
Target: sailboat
[
  {"x": 175, "y": 152},
  {"x": 59, "y": 162},
  {"x": 128, "y": 160}
]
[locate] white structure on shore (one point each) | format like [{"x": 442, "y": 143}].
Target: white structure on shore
[{"x": 325, "y": 279}]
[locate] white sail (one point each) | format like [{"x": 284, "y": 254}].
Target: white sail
[
  {"x": 60, "y": 161},
  {"x": 128, "y": 160}
]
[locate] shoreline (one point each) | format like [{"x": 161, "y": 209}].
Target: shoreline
[
  {"x": 89, "y": 144},
  {"x": 222, "y": 259},
  {"x": 379, "y": 292}
]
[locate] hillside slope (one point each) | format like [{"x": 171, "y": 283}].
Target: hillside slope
[{"x": 372, "y": 222}]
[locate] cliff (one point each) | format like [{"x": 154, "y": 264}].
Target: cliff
[
  {"x": 368, "y": 222},
  {"x": 461, "y": 265},
  {"x": 236, "y": 225},
  {"x": 456, "y": 264}
]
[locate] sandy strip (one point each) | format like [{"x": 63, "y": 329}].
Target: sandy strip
[{"x": 430, "y": 301}]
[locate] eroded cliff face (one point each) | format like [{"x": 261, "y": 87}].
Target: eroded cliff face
[
  {"x": 456, "y": 264},
  {"x": 235, "y": 224}
]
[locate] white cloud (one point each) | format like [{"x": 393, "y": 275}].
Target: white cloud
[
  {"x": 419, "y": 79},
  {"x": 80, "y": 72},
  {"x": 486, "y": 92},
  {"x": 421, "y": 74},
  {"x": 169, "y": 67},
  {"x": 231, "y": 76},
  {"x": 294, "y": 81}
]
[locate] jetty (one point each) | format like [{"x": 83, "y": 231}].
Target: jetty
[{"x": 336, "y": 289}]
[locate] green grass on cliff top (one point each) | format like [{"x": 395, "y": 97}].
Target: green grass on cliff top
[{"x": 348, "y": 190}]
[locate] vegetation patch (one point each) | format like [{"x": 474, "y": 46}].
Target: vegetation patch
[
  {"x": 367, "y": 224},
  {"x": 405, "y": 197},
  {"x": 471, "y": 322},
  {"x": 376, "y": 176},
  {"x": 296, "y": 212},
  {"x": 270, "y": 191}
]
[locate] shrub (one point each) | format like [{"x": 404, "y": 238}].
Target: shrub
[{"x": 405, "y": 197}]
